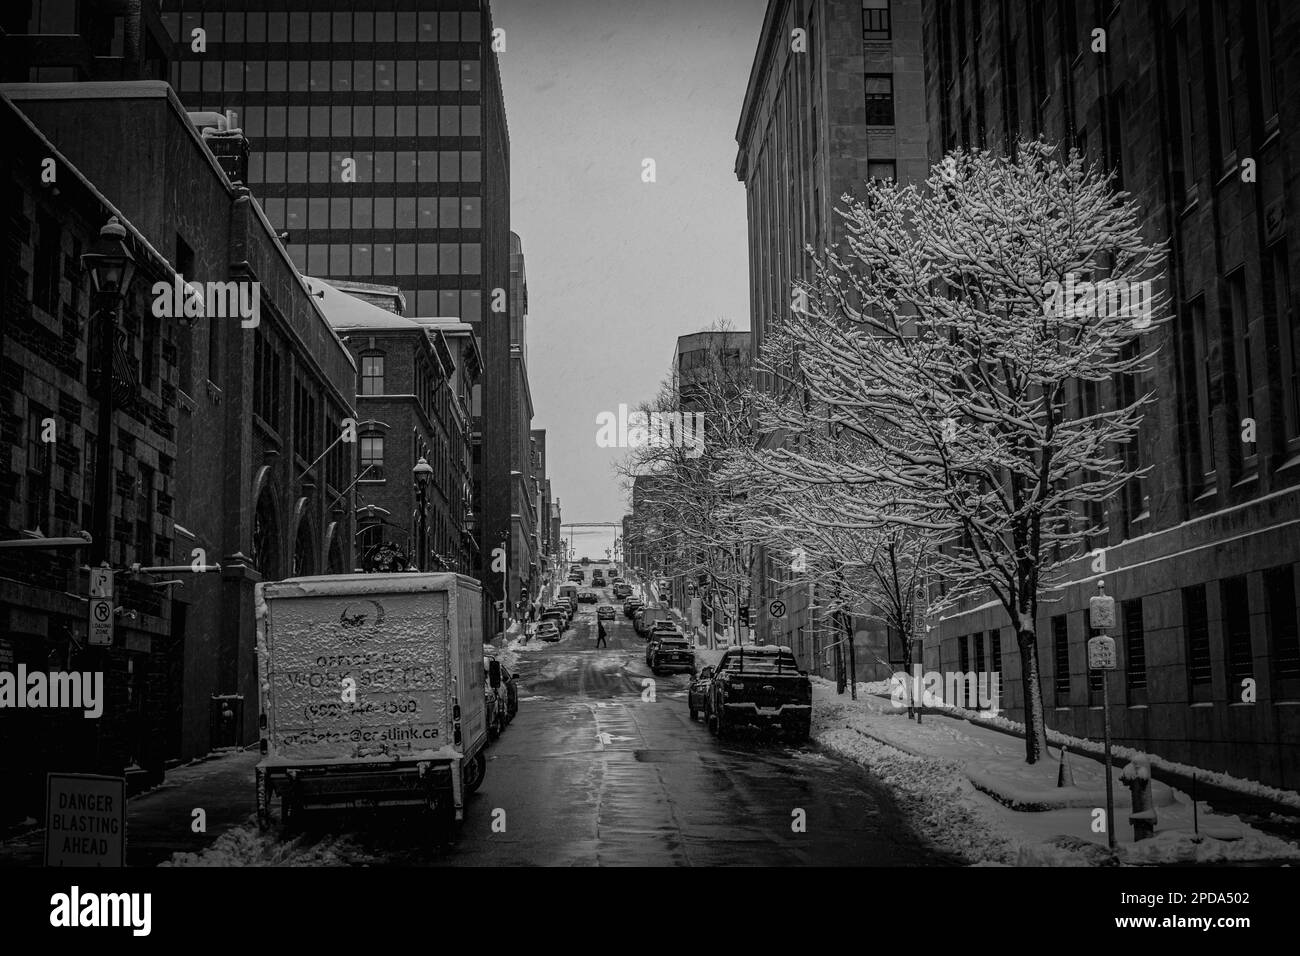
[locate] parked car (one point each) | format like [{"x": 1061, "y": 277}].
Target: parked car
[
  {"x": 638, "y": 622},
  {"x": 558, "y": 618},
  {"x": 698, "y": 692},
  {"x": 631, "y": 605},
  {"x": 547, "y": 631},
  {"x": 507, "y": 689},
  {"x": 598, "y": 582},
  {"x": 670, "y": 627},
  {"x": 672, "y": 652},
  {"x": 588, "y": 597},
  {"x": 605, "y": 612},
  {"x": 760, "y": 685}
]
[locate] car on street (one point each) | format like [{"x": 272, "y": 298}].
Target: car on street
[
  {"x": 557, "y": 617},
  {"x": 672, "y": 652},
  {"x": 622, "y": 589},
  {"x": 547, "y": 631},
  {"x": 631, "y": 605},
  {"x": 670, "y": 627},
  {"x": 760, "y": 685},
  {"x": 638, "y": 622},
  {"x": 508, "y": 689},
  {"x": 588, "y": 597},
  {"x": 605, "y": 612},
  {"x": 598, "y": 582},
  {"x": 697, "y": 693}
]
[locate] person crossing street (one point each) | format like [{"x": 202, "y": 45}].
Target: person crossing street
[{"x": 600, "y": 633}]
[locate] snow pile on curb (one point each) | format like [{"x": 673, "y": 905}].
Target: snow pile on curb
[
  {"x": 938, "y": 799},
  {"x": 248, "y": 846},
  {"x": 1253, "y": 788}
]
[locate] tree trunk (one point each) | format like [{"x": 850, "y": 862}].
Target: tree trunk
[{"x": 1035, "y": 725}]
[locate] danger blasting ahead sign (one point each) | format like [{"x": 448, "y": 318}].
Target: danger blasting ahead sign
[{"x": 85, "y": 820}]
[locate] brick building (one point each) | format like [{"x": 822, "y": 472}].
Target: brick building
[
  {"x": 257, "y": 484},
  {"x": 1201, "y": 553},
  {"x": 412, "y": 403},
  {"x": 411, "y": 91}
]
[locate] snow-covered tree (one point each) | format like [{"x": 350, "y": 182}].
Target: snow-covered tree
[
  {"x": 963, "y": 333},
  {"x": 682, "y": 511},
  {"x": 832, "y": 533}
]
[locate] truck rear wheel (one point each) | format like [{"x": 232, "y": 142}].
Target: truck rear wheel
[{"x": 474, "y": 771}]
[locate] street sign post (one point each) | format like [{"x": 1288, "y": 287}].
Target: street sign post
[
  {"x": 1101, "y": 657},
  {"x": 85, "y": 820},
  {"x": 100, "y": 628},
  {"x": 776, "y": 609},
  {"x": 101, "y": 582}
]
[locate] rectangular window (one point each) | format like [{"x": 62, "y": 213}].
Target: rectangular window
[
  {"x": 372, "y": 457},
  {"x": 882, "y": 170},
  {"x": 1283, "y": 634},
  {"x": 1223, "y": 78},
  {"x": 995, "y": 650},
  {"x": 875, "y": 19},
  {"x": 1238, "y": 349},
  {"x": 963, "y": 653},
  {"x": 38, "y": 470},
  {"x": 144, "y": 510},
  {"x": 1196, "y": 628},
  {"x": 1061, "y": 661},
  {"x": 880, "y": 99},
  {"x": 1287, "y": 335},
  {"x": 47, "y": 266},
  {"x": 1135, "y": 651},
  {"x": 1185, "y": 160},
  {"x": 1265, "y": 18},
  {"x": 1196, "y": 400},
  {"x": 1235, "y": 608}
]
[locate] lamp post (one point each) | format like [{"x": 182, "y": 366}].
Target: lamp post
[
  {"x": 422, "y": 473},
  {"x": 111, "y": 267}
]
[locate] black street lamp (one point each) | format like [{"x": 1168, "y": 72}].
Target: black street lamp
[
  {"x": 111, "y": 267},
  {"x": 422, "y": 473}
]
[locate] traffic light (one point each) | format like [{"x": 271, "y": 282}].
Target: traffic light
[{"x": 744, "y": 616}]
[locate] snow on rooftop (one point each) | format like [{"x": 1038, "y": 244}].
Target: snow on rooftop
[{"x": 348, "y": 312}]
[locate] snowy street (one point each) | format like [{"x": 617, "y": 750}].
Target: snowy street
[{"x": 589, "y": 773}]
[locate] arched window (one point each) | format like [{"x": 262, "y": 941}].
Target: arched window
[
  {"x": 266, "y": 551},
  {"x": 304, "y": 551}
]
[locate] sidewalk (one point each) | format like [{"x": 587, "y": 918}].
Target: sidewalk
[
  {"x": 974, "y": 791},
  {"x": 159, "y": 822}
]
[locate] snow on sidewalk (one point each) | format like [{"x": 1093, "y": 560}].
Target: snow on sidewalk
[{"x": 969, "y": 787}]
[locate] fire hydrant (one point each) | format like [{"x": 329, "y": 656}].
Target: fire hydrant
[{"x": 1137, "y": 777}]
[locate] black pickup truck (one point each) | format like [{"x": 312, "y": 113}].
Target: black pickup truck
[{"x": 760, "y": 684}]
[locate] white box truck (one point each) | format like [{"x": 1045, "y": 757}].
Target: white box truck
[{"x": 371, "y": 693}]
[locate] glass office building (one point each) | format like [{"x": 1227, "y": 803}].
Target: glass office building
[{"x": 377, "y": 133}]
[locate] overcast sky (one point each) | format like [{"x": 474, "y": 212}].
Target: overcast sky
[{"x": 618, "y": 268}]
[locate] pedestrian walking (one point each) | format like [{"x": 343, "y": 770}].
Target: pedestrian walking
[{"x": 600, "y": 634}]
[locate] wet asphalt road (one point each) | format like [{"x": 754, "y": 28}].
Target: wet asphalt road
[{"x": 590, "y": 773}]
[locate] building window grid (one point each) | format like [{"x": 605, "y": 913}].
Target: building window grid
[
  {"x": 1235, "y": 603},
  {"x": 1061, "y": 660},
  {"x": 1196, "y": 627},
  {"x": 875, "y": 20},
  {"x": 879, "y": 99}
]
